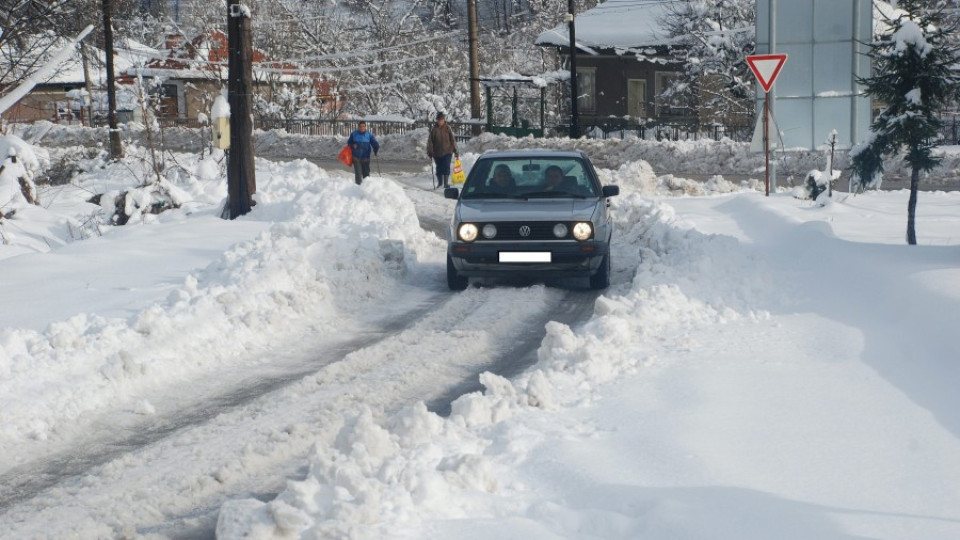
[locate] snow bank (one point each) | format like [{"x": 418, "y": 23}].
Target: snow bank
[
  {"x": 703, "y": 157},
  {"x": 334, "y": 245},
  {"x": 386, "y": 471}
]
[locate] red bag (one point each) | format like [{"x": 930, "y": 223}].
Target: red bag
[{"x": 346, "y": 156}]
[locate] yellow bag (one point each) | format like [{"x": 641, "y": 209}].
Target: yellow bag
[{"x": 458, "y": 176}]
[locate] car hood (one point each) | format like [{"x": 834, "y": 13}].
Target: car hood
[{"x": 530, "y": 210}]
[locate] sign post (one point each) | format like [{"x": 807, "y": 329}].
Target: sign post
[{"x": 765, "y": 68}]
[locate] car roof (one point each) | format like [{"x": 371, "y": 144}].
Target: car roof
[{"x": 533, "y": 153}]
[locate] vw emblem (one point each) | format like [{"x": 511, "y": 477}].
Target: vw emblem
[{"x": 525, "y": 231}]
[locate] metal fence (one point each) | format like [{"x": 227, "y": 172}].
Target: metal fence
[
  {"x": 950, "y": 130},
  {"x": 338, "y": 128},
  {"x": 617, "y": 128},
  {"x": 343, "y": 128},
  {"x": 606, "y": 129}
]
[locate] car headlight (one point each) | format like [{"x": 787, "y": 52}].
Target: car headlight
[
  {"x": 467, "y": 232},
  {"x": 582, "y": 230},
  {"x": 489, "y": 231},
  {"x": 560, "y": 230}
]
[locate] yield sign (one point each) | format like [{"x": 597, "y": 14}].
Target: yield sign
[{"x": 766, "y": 67}]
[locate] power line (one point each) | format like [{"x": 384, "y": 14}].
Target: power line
[
  {"x": 344, "y": 68},
  {"x": 393, "y": 84},
  {"x": 364, "y": 52},
  {"x": 319, "y": 58}
]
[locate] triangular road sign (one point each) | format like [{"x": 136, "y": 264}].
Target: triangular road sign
[{"x": 766, "y": 67}]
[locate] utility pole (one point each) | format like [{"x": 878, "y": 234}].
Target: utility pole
[
  {"x": 116, "y": 148},
  {"x": 241, "y": 180},
  {"x": 574, "y": 114},
  {"x": 474, "y": 64}
]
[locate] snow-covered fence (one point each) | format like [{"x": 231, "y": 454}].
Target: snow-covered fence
[
  {"x": 343, "y": 128},
  {"x": 950, "y": 130},
  {"x": 621, "y": 128}
]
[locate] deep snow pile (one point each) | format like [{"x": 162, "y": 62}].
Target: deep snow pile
[
  {"x": 333, "y": 246},
  {"x": 383, "y": 473}
]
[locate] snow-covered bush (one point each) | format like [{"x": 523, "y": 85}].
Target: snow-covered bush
[
  {"x": 151, "y": 198},
  {"x": 818, "y": 182},
  {"x": 815, "y": 184},
  {"x": 20, "y": 163}
]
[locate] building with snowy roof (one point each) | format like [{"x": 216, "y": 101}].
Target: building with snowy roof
[{"x": 623, "y": 63}]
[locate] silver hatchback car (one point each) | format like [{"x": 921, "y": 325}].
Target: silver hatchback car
[{"x": 537, "y": 213}]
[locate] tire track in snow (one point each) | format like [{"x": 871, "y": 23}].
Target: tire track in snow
[
  {"x": 129, "y": 432},
  {"x": 176, "y": 468},
  {"x": 179, "y": 468}
]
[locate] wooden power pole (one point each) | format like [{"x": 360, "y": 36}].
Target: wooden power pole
[
  {"x": 116, "y": 147},
  {"x": 474, "y": 64},
  {"x": 241, "y": 180}
]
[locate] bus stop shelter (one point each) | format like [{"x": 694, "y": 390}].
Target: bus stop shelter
[{"x": 512, "y": 102}]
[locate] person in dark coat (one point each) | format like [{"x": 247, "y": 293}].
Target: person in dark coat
[
  {"x": 362, "y": 143},
  {"x": 442, "y": 146}
]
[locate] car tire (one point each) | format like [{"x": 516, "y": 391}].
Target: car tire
[
  {"x": 601, "y": 280},
  {"x": 455, "y": 281}
]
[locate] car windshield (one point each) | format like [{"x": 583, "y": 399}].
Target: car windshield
[{"x": 530, "y": 177}]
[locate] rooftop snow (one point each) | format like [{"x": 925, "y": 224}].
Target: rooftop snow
[{"x": 614, "y": 24}]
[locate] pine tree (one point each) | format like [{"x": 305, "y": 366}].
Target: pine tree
[{"x": 914, "y": 78}]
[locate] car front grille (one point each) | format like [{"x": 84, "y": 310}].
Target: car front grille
[
  {"x": 538, "y": 230},
  {"x": 568, "y": 260}
]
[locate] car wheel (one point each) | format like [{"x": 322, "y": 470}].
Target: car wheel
[
  {"x": 601, "y": 280},
  {"x": 455, "y": 281}
]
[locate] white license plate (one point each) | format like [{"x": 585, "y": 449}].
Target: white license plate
[{"x": 525, "y": 256}]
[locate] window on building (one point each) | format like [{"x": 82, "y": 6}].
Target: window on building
[
  {"x": 168, "y": 101},
  {"x": 669, "y": 105},
  {"x": 587, "y": 89}
]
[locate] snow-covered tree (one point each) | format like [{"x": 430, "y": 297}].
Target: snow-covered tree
[
  {"x": 410, "y": 57},
  {"x": 711, "y": 38},
  {"x": 914, "y": 77},
  {"x": 27, "y": 38},
  {"x": 404, "y": 57}
]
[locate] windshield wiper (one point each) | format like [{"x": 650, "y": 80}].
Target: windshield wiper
[
  {"x": 490, "y": 195},
  {"x": 557, "y": 194}
]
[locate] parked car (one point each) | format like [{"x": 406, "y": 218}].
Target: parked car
[{"x": 539, "y": 213}]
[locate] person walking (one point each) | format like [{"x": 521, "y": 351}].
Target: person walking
[
  {"x": 362, "y": 143},
  {"x": 441, "y": 147}
]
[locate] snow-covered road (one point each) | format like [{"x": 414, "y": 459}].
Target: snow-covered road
[
  {"x": 774, "y": 368},
  {"x": 213, "y": 435}
]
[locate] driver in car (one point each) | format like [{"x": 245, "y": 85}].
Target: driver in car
[{"x": 554, "y": 177}]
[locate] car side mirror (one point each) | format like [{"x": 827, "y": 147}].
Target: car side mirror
[
  {"x": 611, "y": 191},
  {"x": 451, "y": 193}
]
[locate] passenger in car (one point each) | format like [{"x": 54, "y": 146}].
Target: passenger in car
[{"x": 502, "y": 178}]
